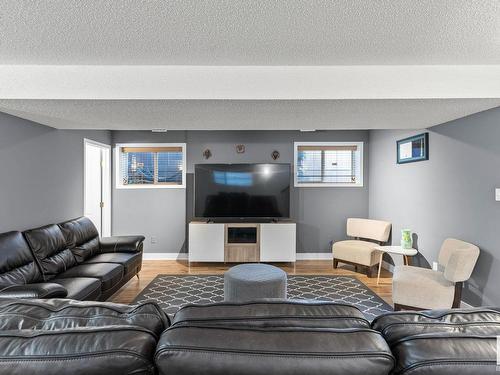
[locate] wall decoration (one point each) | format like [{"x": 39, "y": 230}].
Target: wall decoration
[
  {"x": 275, "y": 155},
  {"x": 240, "y": 149},
  {"x": 207, "y": 154},
  {"x": 413, "y": 149}
]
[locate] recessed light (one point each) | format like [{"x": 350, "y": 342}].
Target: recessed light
[
  {"x": 307, "y": 130},
  {"x": 159, "y": 130}
]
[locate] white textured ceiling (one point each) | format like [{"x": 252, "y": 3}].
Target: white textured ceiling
[
  {"x": 443, "y": 35},
  {"x": 250, "y": 32},
  {"x": 244, "y": 114}
]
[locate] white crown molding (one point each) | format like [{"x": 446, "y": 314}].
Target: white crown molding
[{"x": 120, "y": 82}]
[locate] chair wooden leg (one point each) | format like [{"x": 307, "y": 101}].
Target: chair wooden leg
[
  {"x": 457, "y": 298},
  {"x": 372, "y": 271},
  {"x": 335, "y": 263}
]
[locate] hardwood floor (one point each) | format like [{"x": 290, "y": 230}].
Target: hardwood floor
[{"x": 152, "y": 268}]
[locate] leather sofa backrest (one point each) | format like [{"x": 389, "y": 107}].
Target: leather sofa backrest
[
  {"x": 50, "y": 250},
  {"x": 17, "y": 265},
  {"x": 376, "y": 230},
  {"x": 272, "y": 337},
  {"x": 195, "y": 349},
  {"x": 82, "y": 237},
  {"x": 64, "y": 314},
  {"x": 61, "y": 337},
  {"x": 459, "y": 342},
  {"x": 269, "y": 314}
]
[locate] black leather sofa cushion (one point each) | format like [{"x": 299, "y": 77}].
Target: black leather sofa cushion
[
  {"x": 309, "y": 314},
  {"x": 129, "y": 261},
  {"x": 122, "y": 244},
  {"x": 82, "y": 237},
  {"x": 49, "y": 247},
  {"x": 109, "y": 274},
  {"x": 38, "y": 290},
  {"x": 81, "y": 288},
  {"x": 184, "y": 350},
  {"x": 57, "y": 337},
  {"x": 458, "y": 342},
  {"x": 17, "y": 265},
  {"x": 61, "y": 314}
]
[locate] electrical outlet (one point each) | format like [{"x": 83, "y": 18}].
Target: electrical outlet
[
  {"x": 497, "y": 194},
  {"x": 435, "y": 266},
  {"x": 153, "y": 240}
]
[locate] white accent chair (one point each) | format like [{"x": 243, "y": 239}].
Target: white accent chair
[
  {"x": 415, "y": 288},
  {"x": 360, "y": 251}
]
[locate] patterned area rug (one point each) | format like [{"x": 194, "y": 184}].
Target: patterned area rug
[{"x": 172, "y": 292}]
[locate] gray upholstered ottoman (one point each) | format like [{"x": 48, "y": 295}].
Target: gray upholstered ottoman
[{"x": 247, "y": 282}]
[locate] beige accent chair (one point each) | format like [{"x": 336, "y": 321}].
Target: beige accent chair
[
  {"x": 360, "y": 251},
  {"x": 415, "y": 288}
]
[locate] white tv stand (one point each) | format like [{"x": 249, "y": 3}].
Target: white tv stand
[{"x": 242, "y": 242}]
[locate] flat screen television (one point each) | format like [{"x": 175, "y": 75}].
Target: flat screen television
[{"x": 242, "y": 191}]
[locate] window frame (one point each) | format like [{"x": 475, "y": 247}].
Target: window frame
[
  {"x": 296, "y": 183},
  {"x": 118, "y": 177}
]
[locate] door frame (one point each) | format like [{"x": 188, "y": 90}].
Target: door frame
[{"x": 107, "y": 188}]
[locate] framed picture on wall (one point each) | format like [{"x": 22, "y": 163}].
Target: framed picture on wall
[{"x": 413, "y": 149}]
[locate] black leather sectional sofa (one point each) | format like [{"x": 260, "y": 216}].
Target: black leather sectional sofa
[
  {"x": 257, "y": 338},
  {"x": 67, "y": 260}
]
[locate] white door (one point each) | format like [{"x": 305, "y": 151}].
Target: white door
[{"x": 97, "y": 189}]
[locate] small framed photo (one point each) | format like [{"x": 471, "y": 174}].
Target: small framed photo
[{"x": 413, "y": 149}]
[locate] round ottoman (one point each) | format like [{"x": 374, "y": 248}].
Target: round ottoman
[{"x": 247, "y": 282}]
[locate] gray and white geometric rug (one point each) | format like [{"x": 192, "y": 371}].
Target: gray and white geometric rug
[{"x": 172, "y": 292}]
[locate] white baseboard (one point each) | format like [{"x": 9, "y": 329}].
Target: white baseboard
[
  {"x": 164, "y": 256},
  {"x": 314, "y": 256},
  {"x": 184, "y": 256}
]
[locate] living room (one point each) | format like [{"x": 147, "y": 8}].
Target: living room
[{"x": 249, "y": 175}]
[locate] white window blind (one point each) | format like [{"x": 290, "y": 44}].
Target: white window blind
[
  {"x": 151, "y": 166},
  {"x": 328, "y": 164}
]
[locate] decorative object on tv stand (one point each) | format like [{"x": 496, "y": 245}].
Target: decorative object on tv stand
[
  {"x": 207, "y": 154},
  {"x": 275, "y": 155},
  {"x": 240, "y": 149},
  {"x": 406, "y": 240},
  {"x": 413, "y": 149}
]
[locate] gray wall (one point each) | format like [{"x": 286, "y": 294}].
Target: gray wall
[
  {"x": 450, "y": 195},
  {"x": 41, "y": 173},
  {"x": 321, "y": 213},
  {"x": 158, "y": 213}
]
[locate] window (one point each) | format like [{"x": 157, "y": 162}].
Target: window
[
  {"x": 150, "y": 165},
  {"x": 325, "y": 164}
]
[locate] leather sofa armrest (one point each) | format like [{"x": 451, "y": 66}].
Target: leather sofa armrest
[
  {"x": 40, "y": 290},
  {"x": 121, "y": 244}
]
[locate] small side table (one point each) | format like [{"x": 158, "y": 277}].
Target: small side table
[{"x": 394, "y": 250}]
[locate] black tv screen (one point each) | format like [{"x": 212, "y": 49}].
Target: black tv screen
[{"x": 242, "y": 190}]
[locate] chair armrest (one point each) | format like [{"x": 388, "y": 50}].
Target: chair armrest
[
  {"x": 121, "y": 244},
  {"x": 40, "y": 290}
]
